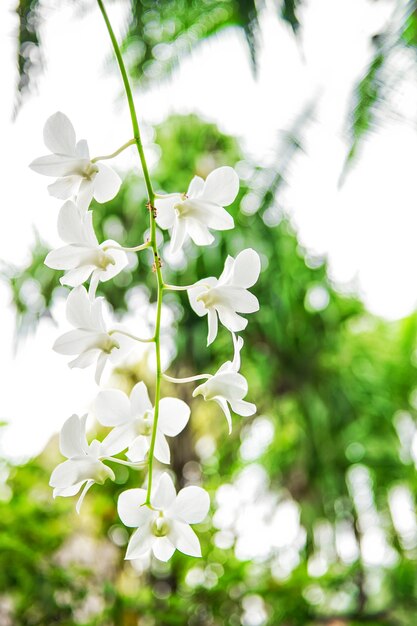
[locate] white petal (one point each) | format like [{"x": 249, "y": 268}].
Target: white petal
[
  {"x": 85, "y": 194},
  {"x": 84, "y": 360},
  {"x": 229, "y": 385},
  {"x": 163, "y": 549},
  {"x": 65, "y": 475},
  {"x": 66, "y": 492},
  {"x": 81, "y": 149},
  {"x": 191, "y": 505},
  {"x": 112, "y": 407},
  {"x": 231, "y": 320},
  {"x": 196, "y": 187},
  {"x": 76, "y": 341},
  {"x": 117, "y": 440},
  {"x": 227, "y": 272},
  {"x": 59, "y": 134},
  {"x": 173, "y": 416},
  {"x": 72, "y": 439},
  {"x": 75, "y": 226},
  {"x": 139, "y": 399},
  {"x": 212, "y": 326},
  {"x": 238, "y": 345},
  {"x": 140, "y": 542},
  {"x": 165, "y": 493},
  {"x": 87, "y": 486},
  {"x": 57, "y": 165},
  {"x": 218, "y": 218},
  {"x": 77, "y": 276},
  {"x": 186, "y": 541},
  {"x": 225, "y": 408},
  {"x": 101, "y": 362},
  {"x": 221, "y": 186},
  {"x": 130, "y": 509},
  {"x": 162, "y": 451},
  {"x": 64, "y": 188},
  {"x": 106, "y": 183},
  {"x": 78, "y": 308},
  {"x": 165, "y": 211},
  {"x": 246, "y": 268},
  {"x": 241, "y": 407},
  {"x": 138, "y": 449},
  {"x": 193, "y": 293},
  {"x": 69, "y": 257},
  {"x": 199, "y": 233},
  {"x": 179, "y": 232},
  {"x": 120, "y": 261}
]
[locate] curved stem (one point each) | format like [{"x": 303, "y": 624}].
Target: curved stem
[
  {"x": 189, "y": 379},
  {"x": 142, "y": 246},
  {"x": 126, "y": 334},
  {"x": 177, "y": 287},
  {"x": 152, "y": 241},
  {"x": 131, "y": 142}
]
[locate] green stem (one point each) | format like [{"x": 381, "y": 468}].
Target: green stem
[
  {"x": 105, "y": 157},
  {"x": 152, "y": 241}
]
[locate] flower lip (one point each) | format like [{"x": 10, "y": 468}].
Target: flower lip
[{"x": 160, "y": 526}]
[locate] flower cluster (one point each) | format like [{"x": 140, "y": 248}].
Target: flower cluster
[{"x": 138, "y": 428}]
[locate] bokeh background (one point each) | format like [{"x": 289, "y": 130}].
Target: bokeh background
[{"x": 314, "y": 102}]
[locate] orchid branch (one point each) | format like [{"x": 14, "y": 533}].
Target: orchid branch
[
  {"x": 105, "y": 157},
  {"x": 153, "y": 242}
]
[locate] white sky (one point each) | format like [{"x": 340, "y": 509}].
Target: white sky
[{"x": 366, "y": 228}]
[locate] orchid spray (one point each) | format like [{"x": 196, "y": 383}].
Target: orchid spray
[{"x": 138, "y": 427}]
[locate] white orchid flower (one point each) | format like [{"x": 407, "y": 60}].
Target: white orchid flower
[
  {"x": 84, "y": 465},
  {"x": 228, "y": 386},
  {"x": 70, "y": 163},
  {"x": 90, "y": 340},
  {"x": 166, "y": 526},
  {"x": 200, "y": 209},
  {"x": 83, "y": 256},
  {"x": 132, "y": 419},
  {"x": 227, "y": 296}
]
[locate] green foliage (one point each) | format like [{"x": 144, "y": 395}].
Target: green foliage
[{"x": 334, "y": 385}]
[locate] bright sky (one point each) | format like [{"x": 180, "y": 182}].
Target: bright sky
[{"x": 366, "y": 228}]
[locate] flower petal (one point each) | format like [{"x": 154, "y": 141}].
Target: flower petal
[
  {"x": 139, "y": 400},
  {"x": 138, "y": 449},
  {"x": 191, "y": 505},
  {"x": 161, "y": 450},
  {"x": 77, "y": 276},
  {"x": 78, "y": 309},
  {"x": 64, "y": 188},
  {"x": 241, "y": 407},
  {"x": 246, "y": 268},
  {"x": 72, "y": 438},
  {"x": 165, "y": 493},
  {"x": 101, "y": 362},
  {"x": 59, "y": 134},
  {"x": 112, "y": 407},
  {"x": 212, "y": 326},
  {"x": 163, "y": 549},
  {"x": 165, "y": 212},
  {"x": 80, "y": 500},
  {"x": 231, "y": 320},
  {"x": 106, "y": 183},
  {"x": 221, "y": 186},
  {"x": 173, "y": 416},
  {"x": 85, "y": 194},
  {"x": 179, "y": 232},
  {"x": 118, "y": 439},
  {"x": 186, "y": 541},
  {"x": 199, "y": 232},
  {"x": 75, "y": 226},
  {"x": 85, "y": 359},
  {"x": 225, "y": 408},
  {"x": 70, "y": 257},
  {"x": 76, "y": 342},
  {"x": 195, "y": 187},
  {"x": 140, "y": 542},
  {"x": 57, "y": 165},
  {"x": 130, "y": 509}
]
